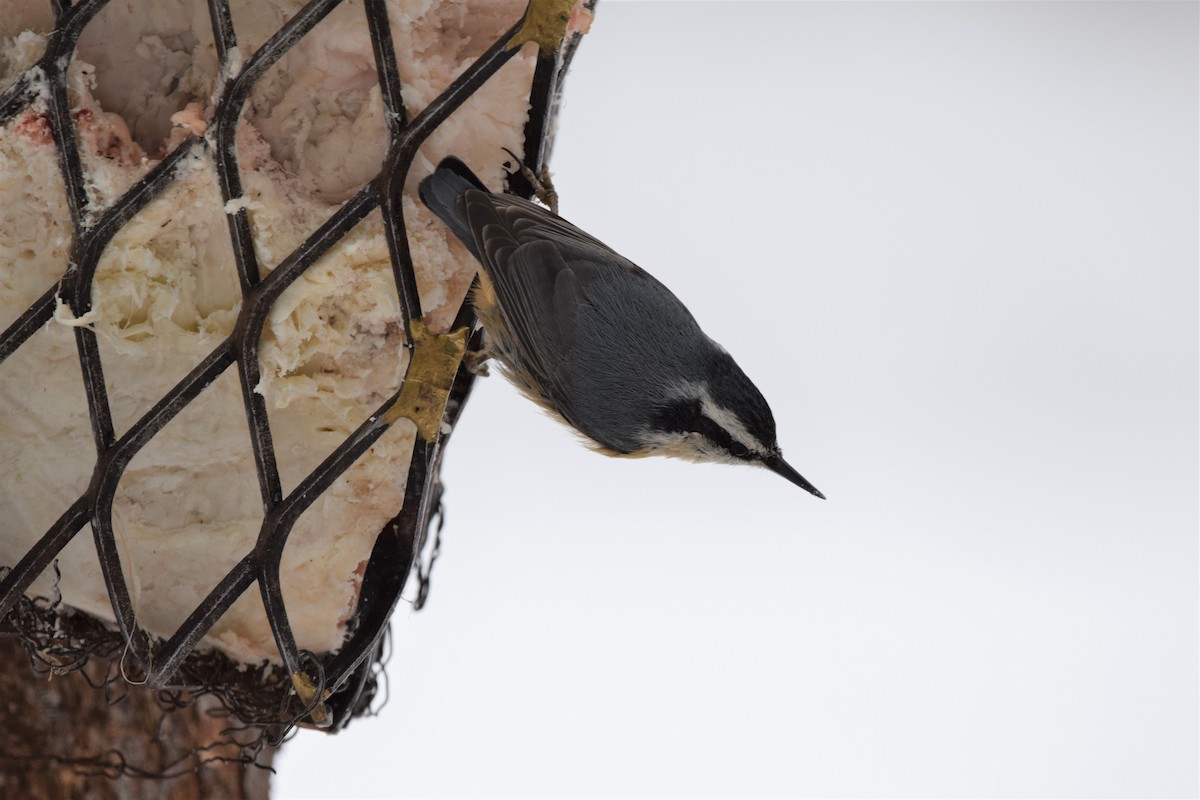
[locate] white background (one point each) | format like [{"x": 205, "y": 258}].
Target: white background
[{"x": 956, "y": 246}]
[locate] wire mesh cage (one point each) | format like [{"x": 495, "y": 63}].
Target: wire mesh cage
[{"x": 326, "y": 689}]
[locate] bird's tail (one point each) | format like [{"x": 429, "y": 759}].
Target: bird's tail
[{"x": 442, "y": 194}]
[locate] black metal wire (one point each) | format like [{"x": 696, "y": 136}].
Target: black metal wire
[{"x": 347, "y": 674}]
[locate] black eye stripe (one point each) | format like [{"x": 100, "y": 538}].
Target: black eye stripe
[
  {"x": 679, "y": 417},
  {"x": 720, "y": 437},
  {"x": 686, "y": 416}
]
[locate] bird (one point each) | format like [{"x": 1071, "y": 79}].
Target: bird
[{"x": 597, "y": 341}]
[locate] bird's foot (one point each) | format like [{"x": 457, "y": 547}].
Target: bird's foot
[
  {"x": 476, "y": 363},
  {"x": 543, "y": 186}
]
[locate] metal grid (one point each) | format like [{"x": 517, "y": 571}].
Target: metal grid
[{"x": 329, "y": 689}]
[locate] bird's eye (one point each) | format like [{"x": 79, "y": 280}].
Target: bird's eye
[
  {"x": 720, "y": 437},
  {"x": 740, "y": 451}
]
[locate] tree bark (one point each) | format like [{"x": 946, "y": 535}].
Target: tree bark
[{"x": 61, "y": 738}]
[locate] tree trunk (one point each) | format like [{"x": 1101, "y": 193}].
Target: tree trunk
[{"x": 61, "y": 738}]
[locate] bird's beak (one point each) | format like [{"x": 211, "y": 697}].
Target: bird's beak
[{"x": 777, "y": 465}]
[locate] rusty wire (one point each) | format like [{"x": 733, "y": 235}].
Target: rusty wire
[{"x": 350, "y": 675}]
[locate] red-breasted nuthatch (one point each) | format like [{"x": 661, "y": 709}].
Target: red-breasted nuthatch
[{"x": 597, "y": 341}]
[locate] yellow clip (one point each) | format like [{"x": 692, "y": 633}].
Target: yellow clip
[
  {"x": 545, "y": 23},
  {"x": 431, "y": 372},
  {"x": 306, "y": 690}
]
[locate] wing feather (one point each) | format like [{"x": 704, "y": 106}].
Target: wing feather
[
  {"x": 539, "y": 297},
  {"x": 542, "y": 270}
]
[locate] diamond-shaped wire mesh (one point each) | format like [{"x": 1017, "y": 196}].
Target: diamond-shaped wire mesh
[{"x": 329, "y": 688}]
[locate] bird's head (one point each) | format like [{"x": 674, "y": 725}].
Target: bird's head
[{"x": 722, "y": 418}]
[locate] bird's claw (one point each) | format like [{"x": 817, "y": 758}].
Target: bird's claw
[
  {"x": 543, "y": 186},
  {"x": 476, "y": 363}
]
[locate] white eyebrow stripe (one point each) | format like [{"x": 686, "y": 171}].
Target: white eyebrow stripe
[
  {"x": 723, "y": 417},
  {"x": 729, "y": 421}
]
